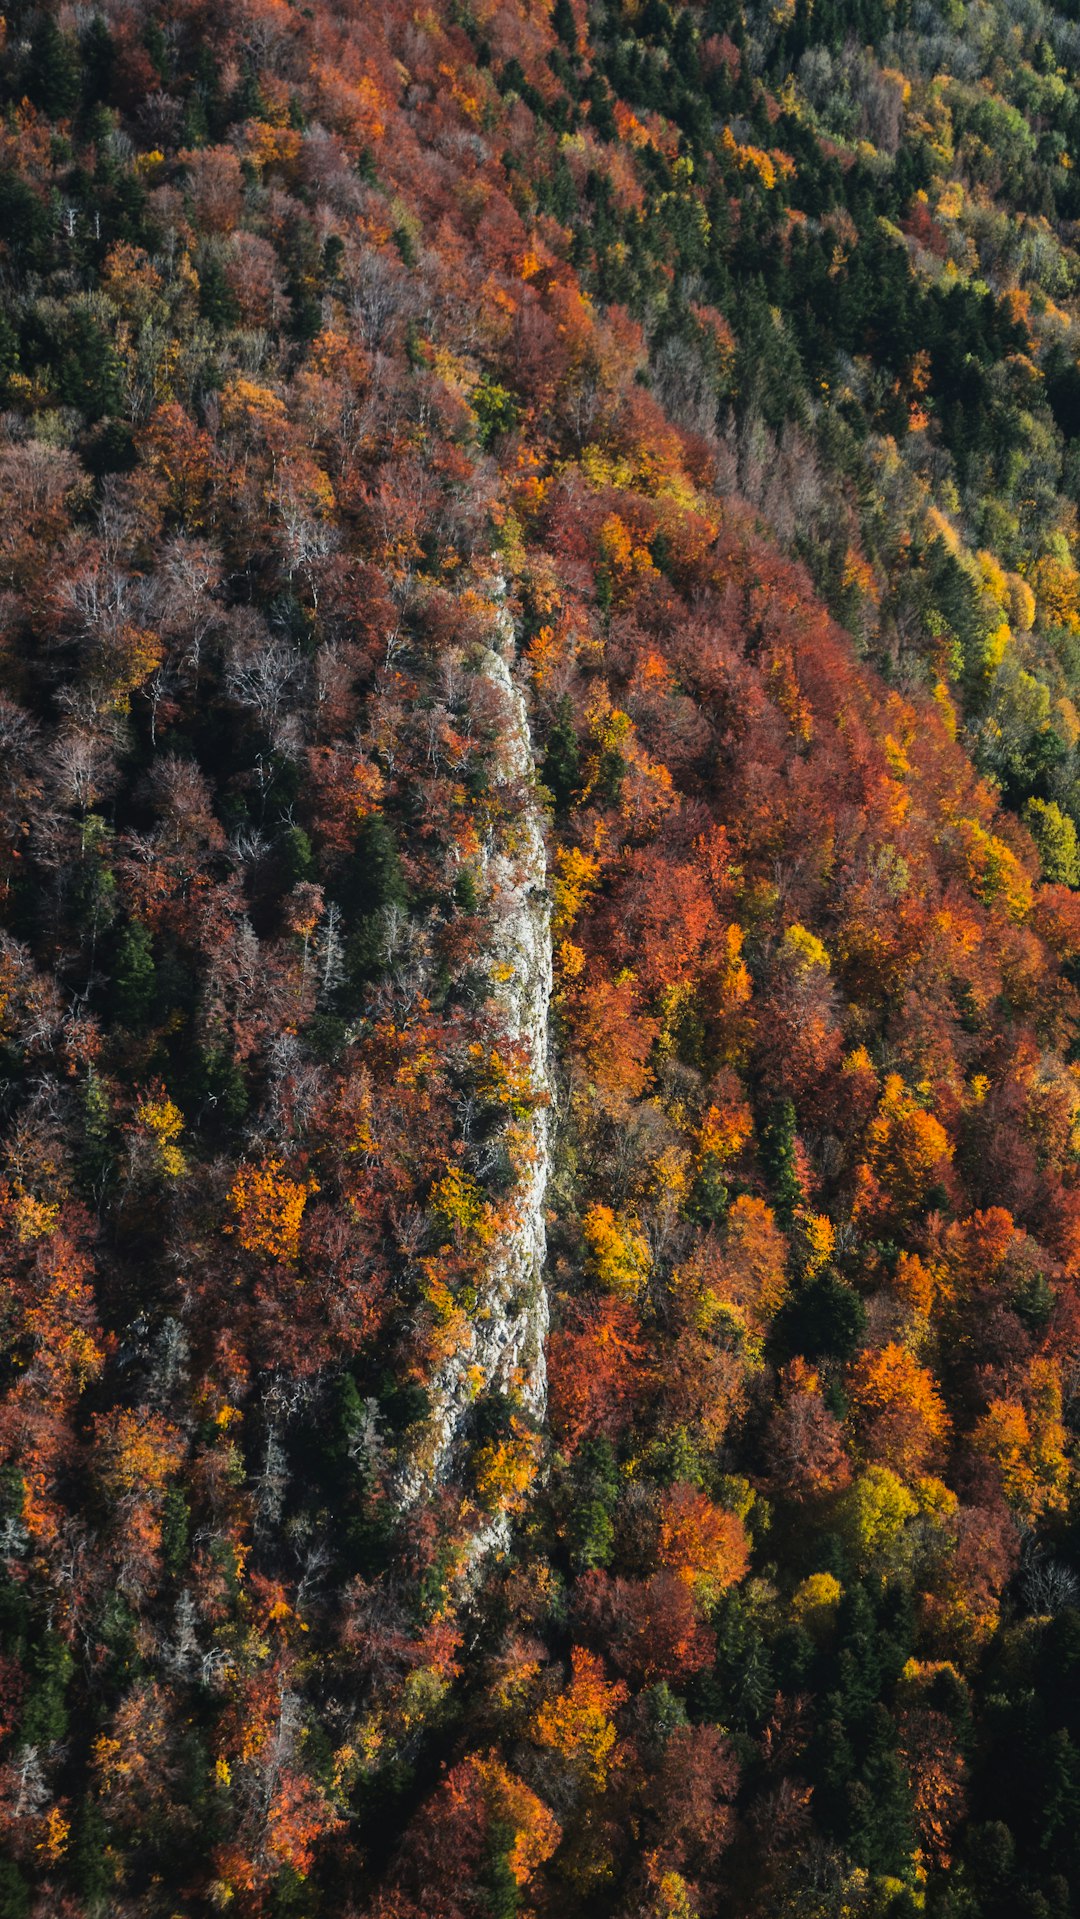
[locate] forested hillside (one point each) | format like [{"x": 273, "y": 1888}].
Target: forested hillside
[{"x": 540, "y": 959}]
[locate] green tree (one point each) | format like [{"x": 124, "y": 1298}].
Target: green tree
[
  {"x": 52, "y": 76},
  {"x": 590, "y": 1529},
  {"x": 778, "y": 1154},
  {"x": 822, "y": 1319},
  {"x": 374, "y": 889},
  {"x": 45, "y": 1717},
  {"x": 134, "y": 977},
  {"x": 1055, "y": 836},
  {"x": 217, "y": 302},
  {"x": 561, "y": 769}
]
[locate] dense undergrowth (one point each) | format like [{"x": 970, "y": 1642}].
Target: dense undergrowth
[{"x": 734, "y": 351}]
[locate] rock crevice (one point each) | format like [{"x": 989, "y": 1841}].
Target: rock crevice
[{"x": 504, "y": 1347}]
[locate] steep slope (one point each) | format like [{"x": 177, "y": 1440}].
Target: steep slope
[{"x": 538, "y": 578}]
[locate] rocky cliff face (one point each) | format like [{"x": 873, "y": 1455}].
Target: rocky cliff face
[{"x": 504, "y": 1348}]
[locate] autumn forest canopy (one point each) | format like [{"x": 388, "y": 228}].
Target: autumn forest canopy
[{"x": 540, "y": 959}]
